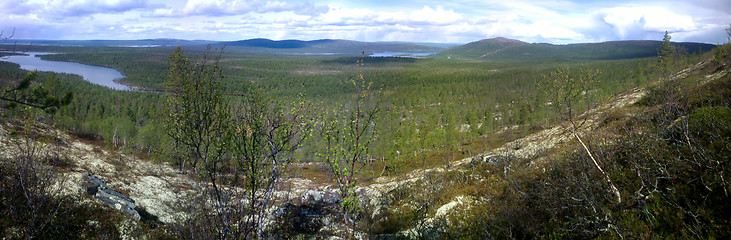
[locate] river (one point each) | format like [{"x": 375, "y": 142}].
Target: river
[{"x": 95, "y": 74}]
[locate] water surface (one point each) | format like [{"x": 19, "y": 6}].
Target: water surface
[
  {"x": 95, "y": 74},
  {"x": 402, "y": 54}
]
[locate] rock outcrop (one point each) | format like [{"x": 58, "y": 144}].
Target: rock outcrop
[{"x": 99, "y": 189}]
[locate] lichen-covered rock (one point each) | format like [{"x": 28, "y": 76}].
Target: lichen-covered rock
[{"x": 119, "y": 201}]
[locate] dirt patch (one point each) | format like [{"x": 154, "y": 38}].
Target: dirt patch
[
  {"x": 89, "y": 138},
  {"x": 317, "y": 173}
]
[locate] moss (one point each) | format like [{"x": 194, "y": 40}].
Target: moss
[
  {"x": 713, "y": 93},
  {"x": 710, "y": 118},
  {"x": 397, "y": 220}
]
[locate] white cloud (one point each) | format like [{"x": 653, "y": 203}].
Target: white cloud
[
  {"x": 229, "y": 7},
  {"x": 554, "y": 21},
  {"x": 626, "y": 19},
  {"x": 424, "y": 16},
  {"x": 75, "y": 8},
  {"x": 345, "y": 16},
  {"x": 17, "y": 7}
]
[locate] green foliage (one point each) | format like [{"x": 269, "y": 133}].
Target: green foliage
[
  {"x": 36, "y": 96},
  {"x": 142, "y": 67},
  {"x": 196, "y": 111},
  {"x": 31, "y": 201},
  {"x": 236, "y": 146},
  {"x": 198, "y": 120},
  {"x": 348, "y": 133},
  {"x": 692, "y": 146},
  {"x": 114, "y": 117},
  {"x": 707, "y": 119},
  {"x": 433, "y": 107},
  {"x": 266, "y": 132},
  {"x": 666, "y": 54},
  {"x": 567, "y": 89},
  {"x": 719, "y": 55},
  {"x": 434, "y": 111},
  {"x": 669, "y": 160}
]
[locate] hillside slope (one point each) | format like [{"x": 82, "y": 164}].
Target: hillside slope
[
  {"x": 666, "y": 146},
  {"x": 481, "y": 49},
  {"x": 508, "y": 50}
]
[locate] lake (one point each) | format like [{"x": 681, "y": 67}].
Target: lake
[
  {"x": 375, "y": 54},
  {"x": 403, "y": 54},
  {"x": 95, "y": 74}
]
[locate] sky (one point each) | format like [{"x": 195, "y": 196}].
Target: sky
[{"x": 436, "y": 21}]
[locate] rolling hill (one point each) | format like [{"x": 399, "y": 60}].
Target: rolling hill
[
  {"x": 157, "y": 42},
  {"x": 487, "y": 50},
  {"x": 324, "y": 46},
  {"x": 256, "y": 45},
  {"x": 510, "y": 50},
  {"x": 482, "y": 48}
]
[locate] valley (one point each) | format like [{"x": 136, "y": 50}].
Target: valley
[{"x": 465, "y": 142}]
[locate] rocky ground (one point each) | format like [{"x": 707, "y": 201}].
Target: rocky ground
[{"x": 155, "y": 187}]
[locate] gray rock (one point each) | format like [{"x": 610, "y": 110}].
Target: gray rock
[
  {"x": 312, "y": 197},
  {"x": 117, "y": 200},
  {"x": 332, "y": 196},
  {"x": 496, "y": 159},
  {"x": 321, "y": 196}
]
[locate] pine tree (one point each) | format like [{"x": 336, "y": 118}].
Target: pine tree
[
  {"x": 665, "y": 55},
  {"x": 26, "y": 93}
]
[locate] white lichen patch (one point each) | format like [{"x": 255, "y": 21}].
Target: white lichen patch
[{"x": 448, "y": 208}]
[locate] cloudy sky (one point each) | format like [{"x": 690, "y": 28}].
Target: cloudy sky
[{"x": 453, "y": 21}]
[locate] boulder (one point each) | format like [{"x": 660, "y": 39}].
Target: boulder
[
  {"x": 318, "y": 196},
  {"x": 496, "y": 159},
  {"x": 98, "y": 188},
  {"x": 312, "y": 197}
]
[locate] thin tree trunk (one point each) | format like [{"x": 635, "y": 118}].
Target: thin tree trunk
[
  {"x": 273, "y": 181},
  {"x": 609, "y": 180}
]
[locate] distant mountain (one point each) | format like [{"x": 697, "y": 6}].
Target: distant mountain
[
  {"x": 510, "y": 50},
  {"x": 257, "y": 45},
  {"x": 325, "y": 46},
  {"x": 482, "y": 48},
  {"x": 494, "y": 49},
  {"x": 158, "y": 42},
  {"x": 268, "y": 43}
]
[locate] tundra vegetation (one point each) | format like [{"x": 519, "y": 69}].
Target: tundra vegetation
[{"x": 237, "y": 124}]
